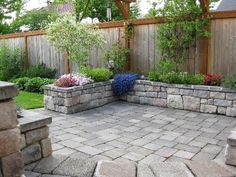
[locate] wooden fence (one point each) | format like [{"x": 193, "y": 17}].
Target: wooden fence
[{"x": 221, "y": 55}]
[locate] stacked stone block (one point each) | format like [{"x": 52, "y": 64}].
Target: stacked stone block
[
  {"x": 206, "y": 99},
  {"x": 35, "y": 143},
  {"x": 76, "y": 99},
  {"x": 230, "y": 150},
  {"x": 11, "y": 163}
]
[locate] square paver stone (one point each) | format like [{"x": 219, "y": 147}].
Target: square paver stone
[
  {"x": 208, "y": 169},
  {"x": 113, "y": 169},
  {"x": 133, "y": 156},
  {"x": 173, "y": 169},
  {"x": 47, "y": 165},
  {"x": 143, "y": 170},
  {"x": 184, "y": 154},
  {"x": 89, "y": 150},
  {"x": 76, "y": 167}
]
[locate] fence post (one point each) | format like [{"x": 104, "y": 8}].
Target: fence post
[
  {"x": 127, "y": 40},
  {"x": 26, "y": 52},
  {"x": 204, "y": 43}
]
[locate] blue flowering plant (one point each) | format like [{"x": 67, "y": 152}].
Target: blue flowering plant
[{"x": 123, "y": 83}]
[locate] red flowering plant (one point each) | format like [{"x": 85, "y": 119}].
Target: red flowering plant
[{"x": 213, "y": 79}]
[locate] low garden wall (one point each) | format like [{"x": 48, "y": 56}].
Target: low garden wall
[
  {"x": 206, "y": 99},
  {"x": 79, "y": 98},
  {"x": 35, "y": 141}
]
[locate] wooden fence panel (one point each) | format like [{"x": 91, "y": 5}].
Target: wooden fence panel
[
  {"x": 144, "y": 44},
  {"x": 40, "y": 51},
  {"x": 14, "y": 43},
  {"x": 223, "y": 46}
]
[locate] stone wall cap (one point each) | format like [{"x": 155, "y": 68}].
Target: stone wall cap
[
  {"x": 32, "y": 120},
  {"x": 183, "y": 86},
  {"x": 55, "y": 88},
  {"x": 8, "y": 90}
]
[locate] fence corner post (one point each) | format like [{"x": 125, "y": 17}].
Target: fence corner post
[{"x": 26, "y": 60}]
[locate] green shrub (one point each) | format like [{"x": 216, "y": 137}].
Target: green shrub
[
  {"x": 165, "y": 66},
  {"x": 197, "y": 79},
  {"x": 11, "y": 63},
  {"x": 153, "y": 76},
  {"x": 230, "y": 81},
  {"x": 97, "y": 74},
  {"x": 20, "y": 82},
  {"x": 176, "y": 78},
  {"x": 165, "y": 73},
  {"x": 116, "y": 57},
  {"x": 40, "y": 71},
  {"x": 36, "y": 84}
]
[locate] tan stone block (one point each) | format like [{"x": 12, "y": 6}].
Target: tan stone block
[
  {"x": 8, "y": 90},
  {"x": 36, "y": 135},
  {"x": 208, "y": 108},
  {"x": 191, "y": 103},
  {"x": 12, "y": 165},
  {"x": 31, "y": 153},
  {"x": 9, "y": 141},
  {"x": 8, "y": 116},
  {"x": 23, "y": 142},
  {"x": 175, "y": 101},
  {"x": 234, "y": 104},
  {"x": 46, "y": 147},
  {"x": 217, "y": 95},
  {"x": 231, "y": 112}
]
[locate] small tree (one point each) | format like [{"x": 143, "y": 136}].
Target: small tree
[{"x": 74, "y": 38}]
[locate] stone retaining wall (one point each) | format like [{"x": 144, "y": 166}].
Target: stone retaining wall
[
  {"x": 76, "y": 99},
  {"x": 35, "y": 143},
  {"x": 11, "y": 163},
  {"x": 206, "y": 99}
]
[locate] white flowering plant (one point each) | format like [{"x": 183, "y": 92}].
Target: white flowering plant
[
  {"x": 70, "y": 80},
  {"x": 75, "y": 38}
]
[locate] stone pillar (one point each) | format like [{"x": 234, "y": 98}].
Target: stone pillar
[
  {"x": 230, "y": 151},
  {"x": 11, "y": 163}
]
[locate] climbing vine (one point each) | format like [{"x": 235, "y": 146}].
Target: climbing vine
[
  {"x": 183, "y": 27},
  {"x": 129, "y": 30}
]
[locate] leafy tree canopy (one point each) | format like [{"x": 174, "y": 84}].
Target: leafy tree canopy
[
  {"x": 155, "y": 10},
  {"x": 34, "y": 20},
  {"x": 7, "y": 7},
  {"x": 98, "y": 9}
]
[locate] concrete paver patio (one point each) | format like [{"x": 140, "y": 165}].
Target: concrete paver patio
[{"x": 128, "y": 132}]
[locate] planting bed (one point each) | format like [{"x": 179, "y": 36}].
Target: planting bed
[
  {"x": 80, "y": 98},
  {"x": 206, "y": 99}
]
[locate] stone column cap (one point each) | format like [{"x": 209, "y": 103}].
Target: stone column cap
[{"x": 8, "y": 90}]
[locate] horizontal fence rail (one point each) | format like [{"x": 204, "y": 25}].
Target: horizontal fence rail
[{"x": 143, "y": 43}]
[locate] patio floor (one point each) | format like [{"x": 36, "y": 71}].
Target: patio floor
[{"x": 121, "y": 131}]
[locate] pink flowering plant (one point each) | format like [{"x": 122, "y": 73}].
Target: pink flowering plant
[{"x": 70, "y": 80}]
